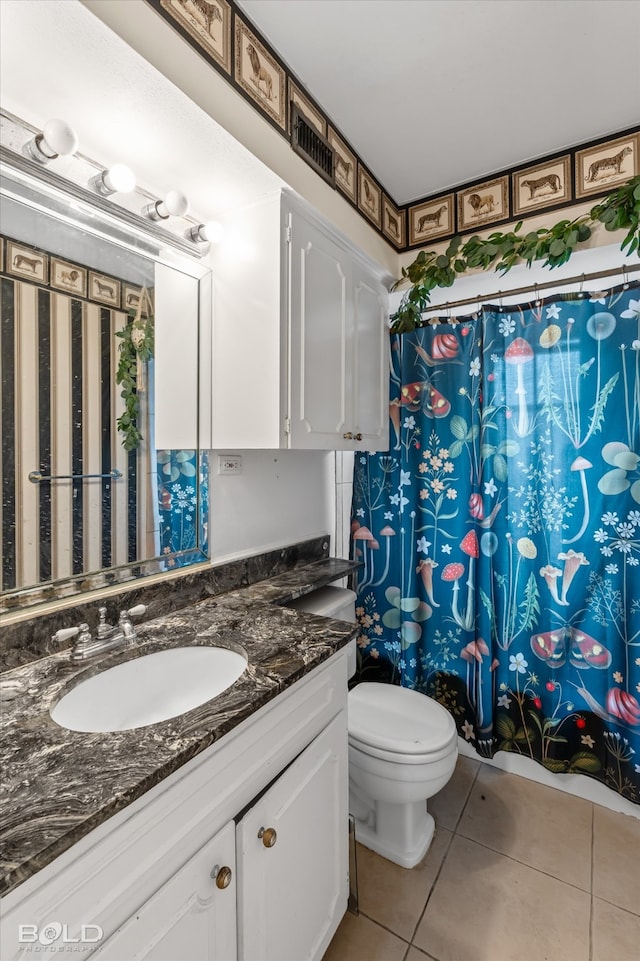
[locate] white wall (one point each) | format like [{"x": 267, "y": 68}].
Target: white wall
[
  {"x": 344, "y": 494},
  {"x": 279, "y": 498}
]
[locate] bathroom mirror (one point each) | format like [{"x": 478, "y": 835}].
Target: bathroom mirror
[{"x": 79, "y": 510}]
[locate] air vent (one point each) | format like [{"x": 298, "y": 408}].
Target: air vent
[{"x": 311, "y": 145}]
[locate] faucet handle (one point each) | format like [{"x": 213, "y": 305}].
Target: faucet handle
[
  {"x": 125, "y": 624},
  {"x": 102, "y": 623},
  {"x": 64, "y": 634},
  {"x": 83, "y": 646},
  {"x": 137, "y": 611}
]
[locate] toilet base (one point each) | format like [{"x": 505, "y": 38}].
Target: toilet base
[{"x": 402, "y": 833}]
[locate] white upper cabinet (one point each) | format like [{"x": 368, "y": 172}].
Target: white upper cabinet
[
  {"x": 300, "y": 335},
  {"x": 370, "y": 385}
]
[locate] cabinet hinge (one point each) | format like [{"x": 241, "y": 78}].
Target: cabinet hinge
[
  {"x": 287, "y": 234},
  {"x": 287, "y": 425}
]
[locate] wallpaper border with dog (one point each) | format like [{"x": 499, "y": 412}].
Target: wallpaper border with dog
[
  {"x": 26, "y": 262},
  {"x": 223, "y": 35}
]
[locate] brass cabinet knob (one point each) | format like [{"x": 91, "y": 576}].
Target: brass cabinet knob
[
  {"x": 358, "y": 437},
  {"x": 222, "y": 876},
  {"x": 348, "y": 435},
  {"x": 269, "y": 836}
]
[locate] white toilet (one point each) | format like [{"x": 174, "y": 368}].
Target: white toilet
[{"x": 403, "y": 748}]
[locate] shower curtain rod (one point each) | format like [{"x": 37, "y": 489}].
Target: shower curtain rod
[{"x": 580, "y": 278}]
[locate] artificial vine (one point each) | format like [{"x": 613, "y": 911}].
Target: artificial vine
[
  {"x": 555, "y": 245},
  {"x": 136, "y": 348}
]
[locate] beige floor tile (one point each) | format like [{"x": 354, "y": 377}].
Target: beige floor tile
[
  {"x": 538, "y": 825},
  {"x": 447, "y": 805},
  {"x": 616, "y": 933},
  {"x": 415, "y": 955},
  {"x": 616, "y": 859},
  {"x": 487, "y": 907},
  {"x": 359, "y": 939},
  {"x": 395, "y": 896}
]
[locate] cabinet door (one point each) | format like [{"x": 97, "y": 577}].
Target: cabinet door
[
  {"x": 189, "y": 917},
  {"x": 320, "y": 328},
  {"x": 291, "y": 896},
  {"x": 370, "y": 382}
]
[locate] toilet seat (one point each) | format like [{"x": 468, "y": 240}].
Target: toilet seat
[{"x": 398, "y": 724}]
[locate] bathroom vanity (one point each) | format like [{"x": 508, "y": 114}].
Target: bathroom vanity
[{"x": 220, "y": 834}]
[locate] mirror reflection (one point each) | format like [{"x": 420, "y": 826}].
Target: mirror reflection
[{"x": 89, "y": 495}]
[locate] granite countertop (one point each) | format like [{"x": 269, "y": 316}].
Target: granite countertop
[{"x": 58, "y": 785}]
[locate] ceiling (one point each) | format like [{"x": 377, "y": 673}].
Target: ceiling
[{"x": 435, "y": 93}]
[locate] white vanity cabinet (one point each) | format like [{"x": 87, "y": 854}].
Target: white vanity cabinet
[
  {"x": 189, "y": 916},
  {"x": 291, "y": 875},
  {"x": 189, "y": 870},
  {"x": 300, "y": 343}
]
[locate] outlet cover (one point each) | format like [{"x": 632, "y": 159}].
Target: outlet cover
[{"x": 229, "y": 464}]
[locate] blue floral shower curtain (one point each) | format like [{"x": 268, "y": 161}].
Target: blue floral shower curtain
[
  {"x": 183, "y": 495},
  {"x": 500, "y": 534}
]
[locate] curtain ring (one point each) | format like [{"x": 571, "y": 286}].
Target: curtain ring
[
  {"x": 581, "y": 291},
  {"x": 500, "y": 301},
  {"x": 625, "y": 277},
  {"x": 537, "y": 294}
]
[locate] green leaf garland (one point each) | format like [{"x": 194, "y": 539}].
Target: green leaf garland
[
  {"x": 554, "y": 245},
  {"x": 136, "y": 347}
]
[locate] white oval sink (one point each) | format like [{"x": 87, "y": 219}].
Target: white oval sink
[{"x": 149, "y": 689}]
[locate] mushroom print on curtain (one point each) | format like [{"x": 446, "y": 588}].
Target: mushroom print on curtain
[{"x": 499, "y": 537}]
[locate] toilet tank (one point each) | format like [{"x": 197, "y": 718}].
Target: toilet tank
[{"x": 336, "y": 602}]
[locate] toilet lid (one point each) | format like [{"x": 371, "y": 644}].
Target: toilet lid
[{"x": 398, "y": 720}]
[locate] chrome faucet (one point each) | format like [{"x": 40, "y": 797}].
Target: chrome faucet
[
  {"x": 107, "y": 636},
  {"x": 105, "y": 631}
]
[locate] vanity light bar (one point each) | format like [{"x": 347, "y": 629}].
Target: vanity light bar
[{"x": 28, "y": 153}]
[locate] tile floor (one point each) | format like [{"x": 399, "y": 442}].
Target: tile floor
[{"x": 517, "y": 872}]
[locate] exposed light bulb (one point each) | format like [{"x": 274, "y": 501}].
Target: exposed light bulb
[
  {"x": 117, "y": 179},
  {"x": 57, "y": 139},
  {"x": 175, "y": 204},
  {"x": 212, "y": 233}
]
